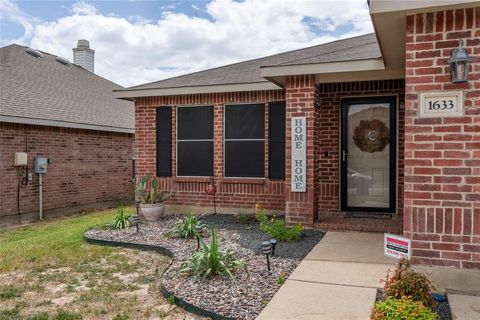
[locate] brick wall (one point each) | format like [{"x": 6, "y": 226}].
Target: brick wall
[
  {"x": 328, "y": 126},
  {"x": 300, "y": 207},
  {"x": 89, "y": 168},
  {"x": 231, "y": 193},
  {"x": 442, "y": 166}
]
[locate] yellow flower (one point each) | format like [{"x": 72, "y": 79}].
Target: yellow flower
[{"x": 257, "y": 206}]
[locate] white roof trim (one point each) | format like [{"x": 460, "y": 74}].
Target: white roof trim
[
  {"x": 382, "y": 6},
  {"x": 64, "y": 124},
  {"x": 135, "y": 93},
  {"x": 327, "y": 67}
]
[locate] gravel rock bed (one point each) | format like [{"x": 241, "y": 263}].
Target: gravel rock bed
[{"x": 241, "y": 298}]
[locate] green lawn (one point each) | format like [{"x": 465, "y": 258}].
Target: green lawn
[
  {"x": 57, "y": 242},
  {"x": 48, "y": 272}
]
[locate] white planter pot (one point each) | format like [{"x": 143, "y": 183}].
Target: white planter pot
[{"x": 152, "y": 212}]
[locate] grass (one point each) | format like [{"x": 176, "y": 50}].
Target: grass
[
  {"x": 48, "y": 271},
  {"x": 58, "y": 242},
  {"x": 10, "y": 292}
]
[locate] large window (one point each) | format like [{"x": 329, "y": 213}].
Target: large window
[
  {"x": 195, "y": 141},
  {"x": 244, "y": 140}
]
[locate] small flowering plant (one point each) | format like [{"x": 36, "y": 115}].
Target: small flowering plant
[
  {"x": 211, "y": 190},
  {"x": 277, "y": 228}
]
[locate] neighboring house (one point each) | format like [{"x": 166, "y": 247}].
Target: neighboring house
[
  {"x": 52, "y": 108},
  {"x": 332, "y": 135}
]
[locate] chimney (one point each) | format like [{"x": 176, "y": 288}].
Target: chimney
[{"x": 84, "y": 56}]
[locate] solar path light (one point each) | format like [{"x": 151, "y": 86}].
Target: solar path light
[{"x": 267, "y": 250}]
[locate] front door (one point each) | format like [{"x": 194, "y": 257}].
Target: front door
[{"x": 368, "y": 154}]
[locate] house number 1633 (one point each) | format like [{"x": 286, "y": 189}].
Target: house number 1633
[{"x": 440, "y": 105}]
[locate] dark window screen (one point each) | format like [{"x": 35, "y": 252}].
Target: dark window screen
[
  {"x": 245, "y": 121},
  {"x": 195, "y": 123},
  {"x": 195, "y": 141},
  {"x": 276, "y": 140},
  {"x": 164, "y": 141},
  {"x": 245, "y": 140},
  {"x": 244, "y": 159},
  {"x": 195, "y": 158}
]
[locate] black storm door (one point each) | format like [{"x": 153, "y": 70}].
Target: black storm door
[{"x": 368, "y": 154}]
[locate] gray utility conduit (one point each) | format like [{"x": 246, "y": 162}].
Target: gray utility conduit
[{"x": 40, "y": 196}]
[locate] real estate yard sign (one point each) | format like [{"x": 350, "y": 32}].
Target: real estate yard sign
[
  {"x": 299, "y": 154},
  {"x": 397, "y": 247}
]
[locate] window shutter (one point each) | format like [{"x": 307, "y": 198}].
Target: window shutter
[
  {"x": 164, "y": 142},
  {"x": 276, "y": 140}
]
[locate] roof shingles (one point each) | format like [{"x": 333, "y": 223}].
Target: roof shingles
[
  {"x": 356, "y": 48},
  {"x": 42, "y": 88}
]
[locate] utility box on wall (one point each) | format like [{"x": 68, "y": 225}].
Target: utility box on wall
[
  {"x": 41, "y": 165},
  {"x": 20, "y": 159}
]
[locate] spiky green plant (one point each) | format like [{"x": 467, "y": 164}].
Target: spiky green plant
[
  {"x": 152, "y": 195},
  {"x": 186, "y": 227},
  {"x": 121, "y": 221},
  {"x": 210, "y": 260}
]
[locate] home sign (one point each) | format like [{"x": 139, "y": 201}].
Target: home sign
[{"x": 299, "y": 154}]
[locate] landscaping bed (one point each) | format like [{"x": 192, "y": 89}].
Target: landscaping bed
[
  {"x": 441, "y": 308},
  {"x": 244, "y": 296}
]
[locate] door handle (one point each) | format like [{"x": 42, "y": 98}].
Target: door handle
[{"x": 344, "y": 155}]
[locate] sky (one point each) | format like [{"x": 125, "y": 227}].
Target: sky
[{"x": 138, "y": 41}]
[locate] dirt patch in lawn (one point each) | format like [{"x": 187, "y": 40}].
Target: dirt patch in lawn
[{"x": 119, "y": 285}]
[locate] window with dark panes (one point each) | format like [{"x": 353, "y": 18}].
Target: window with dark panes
[
  {"x": 195, "y": 141},
  {"x": 244, "y": 140}
]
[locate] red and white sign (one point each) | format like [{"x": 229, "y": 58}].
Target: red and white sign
[{"x": 397, "y": 247}]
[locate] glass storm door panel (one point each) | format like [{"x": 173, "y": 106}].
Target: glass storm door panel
[{"x": 368, "y": 154}]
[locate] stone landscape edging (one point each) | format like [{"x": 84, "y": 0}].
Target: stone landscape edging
[{"x": 164, "y": 291}]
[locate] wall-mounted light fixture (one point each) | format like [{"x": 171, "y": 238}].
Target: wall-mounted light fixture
[{"x": 459, "y": 64}]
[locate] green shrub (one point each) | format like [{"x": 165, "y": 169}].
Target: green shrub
[
  {"x": 10, "y": 292},
  {"x": 121, "y": 221},
  {"x": 210, "y": 260},
  {"x": 186, "y": 227},
  {"x": 401, "y": 309},
  {"x": 405, "y": 282},
  {"x": 277, "y": 228}
]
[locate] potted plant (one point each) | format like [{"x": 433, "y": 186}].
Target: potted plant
[{"x": 151, "y": 200}]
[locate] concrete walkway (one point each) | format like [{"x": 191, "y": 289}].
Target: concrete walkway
[{"x": 339, "y": 278}]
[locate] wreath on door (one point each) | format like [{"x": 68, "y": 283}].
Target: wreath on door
[{"x": 371, "y": 135}]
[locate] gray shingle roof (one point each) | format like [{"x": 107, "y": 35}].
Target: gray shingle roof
[
  {"x": 44, "y": 89},
  {"x": 356, "y": 48}
]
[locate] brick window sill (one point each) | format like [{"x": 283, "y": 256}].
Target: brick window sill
[
  {"x": 192, "y": 179},
  {"x": 243, "y": 180}
]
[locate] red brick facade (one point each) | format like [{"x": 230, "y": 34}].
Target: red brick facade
[
  {"x": 89, "y": 169},
  {"x": 300, "y": 207},
  {"x": 442, "y": 166},
  {"x": 328, "y": 123},
  {"x": 231, "y": 193},
  {"x": 319, "y": 104}
]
